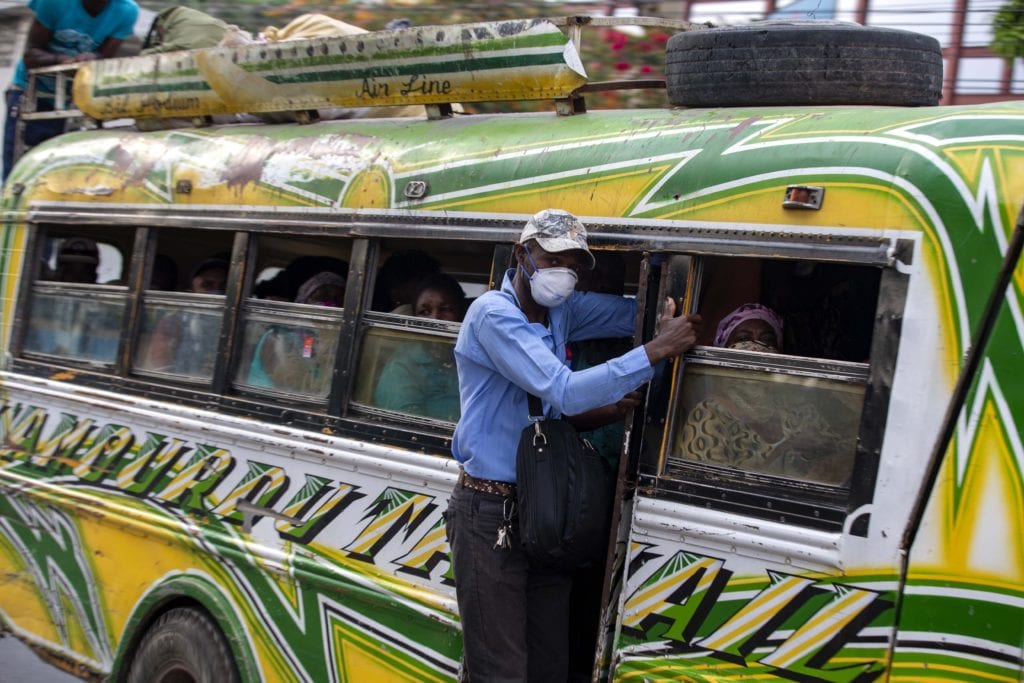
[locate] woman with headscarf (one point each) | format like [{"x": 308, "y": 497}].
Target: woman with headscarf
[{"x": 766, "y": 427}]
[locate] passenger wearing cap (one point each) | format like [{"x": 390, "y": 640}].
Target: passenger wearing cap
[
  {"x": 77, "y": 260},
  {"x": 515, "y": 615},
  {"x": 210, "y": 276}
]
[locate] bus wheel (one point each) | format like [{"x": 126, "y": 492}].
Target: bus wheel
[
  {"x": 802, "y": 63},
  {"x": 183, "y": 645}
]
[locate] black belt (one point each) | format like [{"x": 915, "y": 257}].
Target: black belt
[{"x": 497, "y": 488}]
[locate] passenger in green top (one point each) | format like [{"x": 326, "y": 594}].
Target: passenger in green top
[{"x": 421, "y": 379}]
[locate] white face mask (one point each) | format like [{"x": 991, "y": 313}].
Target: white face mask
[{"x": 550, "y": 287}]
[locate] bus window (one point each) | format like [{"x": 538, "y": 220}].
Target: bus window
[
  {"x": 404, "y": 264},
  {"x": 800, "y": 427},
  {"x": 183, "y": 304},
  {"x": 406, "y": 366},
  {"x": 773, "y": 398},
  {"x": 408, "y": 373},
  {"x": 290, "y": 325},
  {"x": 78, "y": 301}
]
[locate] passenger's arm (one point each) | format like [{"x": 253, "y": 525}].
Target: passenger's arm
[
  {"x": 675, "y": 335},
  {"x": 109, "y": 48},
  {"x": 515, "y": 350},
  {"x": 605, "y": 415},
  {"x": 37, "y": 47}
]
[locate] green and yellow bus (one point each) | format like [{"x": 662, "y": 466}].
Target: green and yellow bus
[{"x": 169, "y": 513}]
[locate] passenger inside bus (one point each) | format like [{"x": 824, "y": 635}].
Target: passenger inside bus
[
  {"x": 420, "y": 378},
  {"x": 164, "y": 277},
  {"x": 767, "y": 423},
  {"x": 290, "y": 358},
  {"x": 183, "y": 342},
  {"x": 607, "y": 277},
  {"x": 77, "y": 260},
  {"x": 284, "y": 286},
  {"x": 398, "y": 278},
  {"x": 210, "y": 276}
]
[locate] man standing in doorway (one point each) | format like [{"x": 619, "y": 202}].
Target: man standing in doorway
[
  {"x": 63, "y": 31},
  {"x": 514, "y": 613}
]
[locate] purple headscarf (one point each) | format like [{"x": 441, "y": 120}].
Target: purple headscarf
[
  {"x": 742, "y": 314},
  {"x": 314, "y": 283}
]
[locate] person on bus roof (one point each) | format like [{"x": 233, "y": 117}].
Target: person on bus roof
[
  {"x": 63, "y": 32},
  {"x": 515, "y": 614}
]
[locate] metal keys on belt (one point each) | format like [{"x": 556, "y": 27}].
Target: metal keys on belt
[{"x": 508, "y": 512}]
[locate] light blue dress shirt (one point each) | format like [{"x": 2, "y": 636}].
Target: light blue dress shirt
[{"x": 501, "y": 355}]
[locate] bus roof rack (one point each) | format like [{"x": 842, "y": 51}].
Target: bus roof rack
[{"x": 437, "y": 66}]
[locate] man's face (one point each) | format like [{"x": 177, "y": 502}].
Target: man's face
[
  {"x": 573, "y": 260},
  {"x": 210, "y": 281}
]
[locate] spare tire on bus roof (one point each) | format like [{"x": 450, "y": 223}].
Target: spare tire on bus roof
[{"x": 802, "y": 63}]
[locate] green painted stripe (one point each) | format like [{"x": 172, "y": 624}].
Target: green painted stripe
[
  {"x": 191, "y": 86},
  {"x": 435, "y": 68},
  {"x": 104, "y": 80},
  {"x": 549, "y": 39}
]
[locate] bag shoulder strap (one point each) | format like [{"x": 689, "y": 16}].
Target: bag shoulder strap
[{"x": 536, "y": 410}]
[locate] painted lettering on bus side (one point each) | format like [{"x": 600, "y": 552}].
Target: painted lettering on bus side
[
  {"x": 315, "y": 505},
  {"x": 103, "y": 457},
  {"x": 394, "y": 511},
  {"x": 261, "y": 485},
  {"x": 55, "y": 452},
  {"x": 418, "y": 85},
  {"x": 17, "y": 421},
  {"x": 154, "y": 459},
  {"x": 428, "y": 555},
  {"x": 372, "y": 89},
  {"x": 190, "y": 483},
  {"x": 675, "y": 601}
]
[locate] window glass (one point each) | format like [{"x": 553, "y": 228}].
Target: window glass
[
  {"x": 290, "y": 354},
  {"x": 792, "y": 426},
  {"x": 408, "y": 372},
  {"x": 77, "y": 304},
  {"x": 178, "y": 338},
  {"x": 406, "y": 265},
  {"x": 183, "y": 305},
  {"x": 75, "y": 325},
  {"x": 85, "y": 259}
]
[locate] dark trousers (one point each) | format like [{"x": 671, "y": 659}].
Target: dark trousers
[
  {"x": 515, "y": 615},
  {"x": 35, "y": 131}
]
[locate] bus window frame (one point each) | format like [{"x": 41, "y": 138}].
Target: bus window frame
[
  {"x": 770, "y": 497},
  {"x": 286, "y": 312},
  {"x": 427, "y": 328},
  {"x": 30, "y": 283}
]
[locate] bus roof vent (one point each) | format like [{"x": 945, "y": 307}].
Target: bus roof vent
[{"x": 505, "y": 60}]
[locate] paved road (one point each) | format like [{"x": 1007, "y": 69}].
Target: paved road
[{"x": 19, "y": 664}]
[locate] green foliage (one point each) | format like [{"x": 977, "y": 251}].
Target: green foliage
[{"x": 1008, "y": 30}]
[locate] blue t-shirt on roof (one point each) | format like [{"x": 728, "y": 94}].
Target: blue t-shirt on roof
[{"x": 76, "y": 31}]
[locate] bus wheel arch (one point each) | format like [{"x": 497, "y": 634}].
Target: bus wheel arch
[
  {"x": 802, "y": 63},
  {"x": 182, "y": 645},
  {"x": 195, "y": 595}
]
